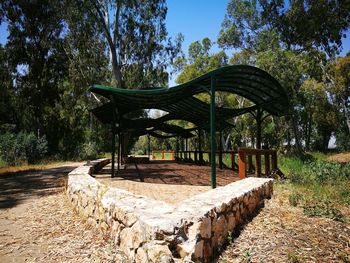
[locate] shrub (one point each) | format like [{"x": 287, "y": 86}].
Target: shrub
[
  {"x": 12, "y": 149},
  {"x": 295, "y": 198},
  {"x": 35, "y": 148},
  {"x": 18, "y": 148},
  {"x": 324, "y": 210},
  {"x": 87, "y": 151},
  {"x": 319, "y": 181}
]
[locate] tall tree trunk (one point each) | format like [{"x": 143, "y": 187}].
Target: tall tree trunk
[
  {"x": 227, "y": 141},
  {"x": 296, "y": 135},
  {"x": 309, "y": 130}
]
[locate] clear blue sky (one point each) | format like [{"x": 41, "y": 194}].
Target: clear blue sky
[{"x": 195, "y": 19}]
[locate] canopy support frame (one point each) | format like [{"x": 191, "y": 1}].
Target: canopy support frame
[{"x": 212, "y": 132}]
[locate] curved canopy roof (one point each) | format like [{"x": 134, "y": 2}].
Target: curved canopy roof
[{"x": 180, "y": 102}]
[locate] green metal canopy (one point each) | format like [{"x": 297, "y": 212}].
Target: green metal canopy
[{"x": 180, "y": 103}]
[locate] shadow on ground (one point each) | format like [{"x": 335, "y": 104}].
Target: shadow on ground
[
  {"x": 169, "y": 172},
  {"x": 17, "y": 187}
]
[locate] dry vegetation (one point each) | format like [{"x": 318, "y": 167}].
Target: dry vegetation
[
  {"x": 31, "y": 167},
  {"x": 283, "y": 233},
  {"x": 340, "y": 157},
  {"x": 48, "y": 230},
  {"x": 307, "y": 219}
]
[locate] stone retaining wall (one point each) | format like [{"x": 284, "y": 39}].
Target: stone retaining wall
[{"x": 148, "y": 230}]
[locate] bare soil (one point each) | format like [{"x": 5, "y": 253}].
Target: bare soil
[
  {"x": 165, "y": 180},
  {"x": 38, "y": 224}
]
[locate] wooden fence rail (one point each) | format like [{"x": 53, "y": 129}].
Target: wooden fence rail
[
  {"x": 245, "y": 161},
  {"x": 241, "y": 160},
  {"x": 162, "y": 153},
  {"x": 197, "y": 157}
]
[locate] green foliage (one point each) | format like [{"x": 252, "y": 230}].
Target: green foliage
[
  {"x": 319, "y": 172},
  {"x": 324, "y": 211},
  {"x": 87, "y": 151},
  {"x": 2, "y": 163},
  {"x": 18, "y": 148},
  {"x": 137, "y": 39},
  {"x": 35, "y": 148},
  {"x": 294, "y": 258},
  {"x": 52, "y": 57},
  {"x": 248, "y": 21},
  {"x": 12, "y": 148},
  {"x": 199, "y": 61},
  {"x": 317, "y": 185},
  {"x": 295, "y": 198},
  {"x": 274, "y": 36}
]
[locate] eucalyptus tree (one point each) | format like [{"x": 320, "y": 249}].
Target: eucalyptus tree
[
  {"x": 340, "y": 74},
  {"x": 199, "y": 61},
  {"x": 135, "y": 31},
  {"x": 7, "y": 97},
  {"x": 84, "y": 48},
  {"x": 300, "y": 25},
  {"x": 286, "y": 38},
  {"x": 36, "y": 31}
]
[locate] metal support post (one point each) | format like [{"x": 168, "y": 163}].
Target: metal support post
[
  {"x": 220, "y": 149},
  {"x": 212, "y": 132}
]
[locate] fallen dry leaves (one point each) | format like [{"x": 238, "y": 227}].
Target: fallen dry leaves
[
  {"x": 49, "y": 231},
  {"x": 282, "y": 233},
  {"x": 40, "y": 224}
]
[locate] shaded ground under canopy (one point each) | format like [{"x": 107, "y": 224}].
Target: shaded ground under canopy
[{"x": 167, "y": 181}]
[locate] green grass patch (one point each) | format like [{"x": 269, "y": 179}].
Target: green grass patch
[
  {"x": 2, "y": 163},
  {"x": 317, "y": 185}
]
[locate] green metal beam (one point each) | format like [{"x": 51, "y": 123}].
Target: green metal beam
[
  {"x": 200, "y": 146},
  {"x": 149, "y": 146},
  {"x": 220, "y": 149},
  {"x": 212, "y": 132},
  {"x": 119, "y": 141},
  {"x": 113, "y": 135},
  {"x": 258, "y": 128}
]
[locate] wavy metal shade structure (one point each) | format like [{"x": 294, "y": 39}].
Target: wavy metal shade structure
[
  {"x": 247, "y": 81},
  {"x": 180, "y": 103}
]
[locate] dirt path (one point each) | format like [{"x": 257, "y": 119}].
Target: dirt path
[{"x": 38, "y": 224}]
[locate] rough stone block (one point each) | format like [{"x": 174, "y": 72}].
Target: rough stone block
[{"x": 146, "y": 229}]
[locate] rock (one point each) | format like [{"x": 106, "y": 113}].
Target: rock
[
  {"x": 141, "y": 256},
  {"x": 231, "y": 221},
  {"x": 159, "y": 253},
  {"x": 115, "y": 232},
  {"x": 198, "y": 251},
  {"x": 201, "y": 228},
  {"x": 219, "y": 229},
  {"x": 125, "y": 215},
  {"x": 145, "y": 228},
  {"x": 186, "y": 248},
  {"x": 207, "y": 250},
  {"x": 132, "y": 238}
]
